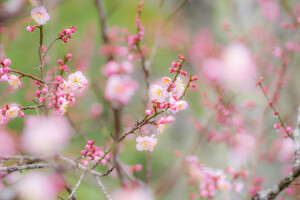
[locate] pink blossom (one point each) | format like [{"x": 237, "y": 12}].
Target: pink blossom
[
  {"x": 178, "y": 106},
  {"x": 158, "y": 93},
  {"x": 146, "y": 143},
  {"x": 45, "y": 135},
  {"x": 161, "y": 129},
  {"x": 166, "y": 81},
  {"x": 120, "y": 88},
  {"x": 277, "y": 52},
  {"x": 77, "y": 82},
  {"x": 110, "y": 68},
  {"x": 13, "y": 112},
  {"x": 238, "y": 187},
  {"x": 170, "y": 119},
  {"x": 149, "y": 112},
  {"x": 14, "y": 81},
  {"x": 40, "y": 15},
  {"x": 34, "y": 3},
  {"x": 126, "y": 67}
]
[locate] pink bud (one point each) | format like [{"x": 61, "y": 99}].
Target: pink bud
[
  {"x": 37, "y": 93},
  {"x": 288, "y": 129},
  {"x": 83, "y": 152},
  {"x": 41, "y": 99},
  {"x": 194, "y": 78},
  {"x": 68, "y": 56},
  {"x": 90, "y": 142},
  {"x": 174, "y": 64},
  {"x": 181, "y": 57},
  {"x": 184, "y": 73},
  {"x": 21, "y": 114},
  {"x": 172, "y": 70},
  {"x": 193, "y": 85},
  {"x": 149, "y": 112},
  {"x": 277, "y": 126},
  {"x": 60, "y": 61},
  {"x": 87, "y": 147},
  {"x": 45, "y": 90},
  {"x": 7, "y": 62}
]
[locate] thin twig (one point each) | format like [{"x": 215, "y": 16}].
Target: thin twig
[
  {"x": 102, "y": 188},
  {"x": 27, "y": 75},
  {"x": 77, "y": 184}
]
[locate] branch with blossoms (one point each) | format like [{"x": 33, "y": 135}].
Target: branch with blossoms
[{"x": 294, "y": 174}]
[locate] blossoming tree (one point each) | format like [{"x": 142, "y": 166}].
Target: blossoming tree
[{"x": 212, "y": 123}]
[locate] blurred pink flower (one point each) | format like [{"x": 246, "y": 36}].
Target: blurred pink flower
[
  {"x": 96, "y": 110},
  {"x": 120, "y": 88},
  {"x": 270, "y": 10},
  {"x": 45, "y": 135},
  {"x": 133, "y": 193},
  {"x": 7, "y": 144},
  {"x": 286, "y": 151},
  {"x": 36, "y": 186},
  {"x": 212, "y": 69},
  {"x": 243, "y": 148},
  {"x": 239, "y": 68}
]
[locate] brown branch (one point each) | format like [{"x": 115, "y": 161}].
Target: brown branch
[
  {"x": 274, "y": 109},
  {"x": 27, "y": 75},
  {"x": 103, "y": 21},
  {"x": 287, "y": 181}
]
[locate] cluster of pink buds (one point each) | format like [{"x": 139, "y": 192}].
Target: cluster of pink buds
[
  {"x": 10, "y": 112},
  {"x": 13, "y": 80},
  {"x": 132, "y": 40},
  {"x": 66, "y": 33},
  {"x": 208, "y": 181},
  {"x": 62, "y": 64},
  {"x": 4, "y": 71},
  {"x": 166, "y": 97},
  {"x": 287, "y": 25},
  {"x": 94, "y": 154}
]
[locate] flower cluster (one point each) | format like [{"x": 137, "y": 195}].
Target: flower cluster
[
  {"x": 210, "y": 181},
  {"x": 166, "y": 97},
  {"x": 13, "y": 80},
  {"x": 9, "y": 112},
  {"x": 94, "y": 154},
  {"x": 65, "y": 34},
  {"x": 64, "y": 92}
]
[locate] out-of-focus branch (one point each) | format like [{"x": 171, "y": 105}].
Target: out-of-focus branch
[
  {"x": 117, "y": 120},
  {"x": 103, "y": 21},
  {"x": 176, "y": 10},
  {"x": 287, "y": 181},
  {"x": 289, "y": 11},
  {"x": 102, "y": 188},
  {"x": 23, "y": 167}
]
